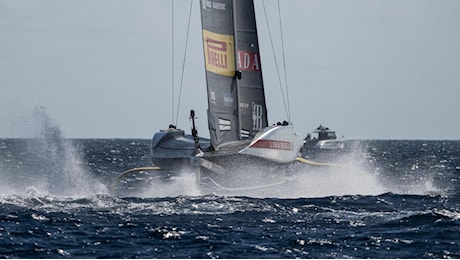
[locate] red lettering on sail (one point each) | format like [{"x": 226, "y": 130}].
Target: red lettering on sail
[
  {"x": 217, "y": 53},
  {"x": 248, "y": 60}
]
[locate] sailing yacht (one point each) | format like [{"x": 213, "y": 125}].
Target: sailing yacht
[{"x": 241, "y": 139}]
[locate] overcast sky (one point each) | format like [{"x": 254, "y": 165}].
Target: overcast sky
[{"x": 371, "y": 69}]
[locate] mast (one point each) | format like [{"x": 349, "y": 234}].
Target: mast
[{"x": 237, "y": 72}]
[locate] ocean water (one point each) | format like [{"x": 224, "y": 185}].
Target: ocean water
[{"x": 390, "y": 199}]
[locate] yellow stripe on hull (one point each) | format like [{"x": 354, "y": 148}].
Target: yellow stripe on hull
[
  {"x": 306, "y": 161},
  {"x": 128, "y": 172}
]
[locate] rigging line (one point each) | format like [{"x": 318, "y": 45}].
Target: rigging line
[
  {"x": 284, "y": 64},
  {"x": 172, "y": 61},
  {"x": 276, "y": 62},
  {"x": 183, "y": 61}
]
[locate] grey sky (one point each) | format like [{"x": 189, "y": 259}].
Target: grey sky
[{"x": 370, "y": 69}]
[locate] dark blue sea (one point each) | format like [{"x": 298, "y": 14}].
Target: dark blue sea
[{"x": 390, "y": 199}]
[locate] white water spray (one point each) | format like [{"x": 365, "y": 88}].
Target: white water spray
[
  {"x": 354, "y": 174},
  {"x": 183, "y": 184},
  {"x": 54, "y": 166}
]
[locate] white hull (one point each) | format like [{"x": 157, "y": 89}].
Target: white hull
[{"x": 279, "y": 144}]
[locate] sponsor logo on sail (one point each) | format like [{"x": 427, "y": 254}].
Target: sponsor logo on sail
[
  {"x": 224, "y": 124},
  {"x": 212, "y": 96},
  {"x": 257, "y": 113},
  {"x": 244, "y": 105},
  {"x": 248, "y": 60},
  {"x": 218, "y": 52},
  {"x": 208, "y": 4},
  {"x": 244, "y": 133}
]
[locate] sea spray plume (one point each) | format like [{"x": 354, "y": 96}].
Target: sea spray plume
[
  {"x": 409, "y": 167},
  {"x": 156, "y": 184},
  {"x": 49, "y": 150},
  {"x": 348, "y": 173},
  {"x": 57, "y": 161},
  {"x": 183, "y": 183}
]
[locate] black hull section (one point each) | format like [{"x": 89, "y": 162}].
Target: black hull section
[{"x": 173, "y": 149}]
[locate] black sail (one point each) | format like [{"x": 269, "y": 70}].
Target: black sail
[
  {"x": 219, "y": 53},
  {"x": 251, "y": 96},
  {"x": 236, "y": 101}
]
